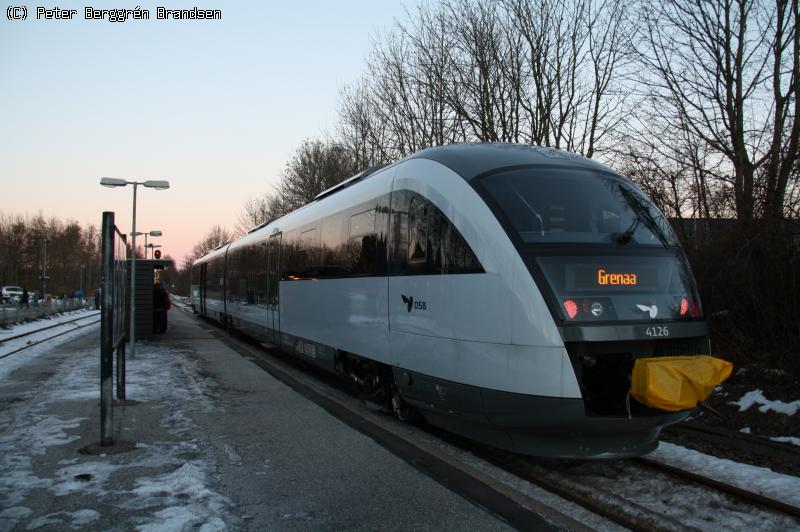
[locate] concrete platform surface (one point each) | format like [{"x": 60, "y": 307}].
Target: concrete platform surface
[{"x": 219, "y": 445}]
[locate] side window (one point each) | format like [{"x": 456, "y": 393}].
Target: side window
[
  {"x": 349, "y": 243},
  {"x": 333, "y": 240},
  {"x": 362, "y": 245},
  {"x": 430, "y": 243},
  {"x": 291, "y": 256},
  {"x": 309, "y": 261},
  {"x": 417, "y": 230}
]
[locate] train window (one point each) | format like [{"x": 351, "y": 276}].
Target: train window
[
  {"x": 307, "y": 239},
  {"x": 434, "y": 245},
  {"x": 260, "y": 271},
  {"x": 290, "y": 256},
  {"x": 334, "y": 260},
  {"x": 417, "y": 229},
  {"x": 362, "y": 223},
  {"x": 348, "y": 243},
  {"x": 570, "y": 205},
  {"x": 362, "y": 251}
]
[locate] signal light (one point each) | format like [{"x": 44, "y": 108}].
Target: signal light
[
  {"x": 684, "y": 306},
  {"x": 571, "y": 307}
]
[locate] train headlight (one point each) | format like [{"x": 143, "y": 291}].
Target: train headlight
[
  {"x": 597, "y": 309},
  {"x": 572, "y": 308}
]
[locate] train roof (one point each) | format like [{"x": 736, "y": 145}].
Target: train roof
[{"x": 471, "y": 160}]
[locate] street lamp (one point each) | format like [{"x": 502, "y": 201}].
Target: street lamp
[
  {"x": 146, "y": 234},
  {"x": 152, "y": 247},
  {"x": 158, "y": 185}
]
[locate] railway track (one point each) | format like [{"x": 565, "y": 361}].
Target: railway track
[
  {"x": 737, "y": 440},
  {"x": 71, "y": 325},
  {"x": 574, "y": 480},
  {"x": 594, "y": 486}
]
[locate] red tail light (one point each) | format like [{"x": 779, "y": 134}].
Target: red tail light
[
  {"x": 684, "y": 306},
  {"x": 571, "y": 307}
]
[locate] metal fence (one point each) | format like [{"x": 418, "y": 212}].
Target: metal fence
[
  {"x": 112, "y": 322},
  {"x": 12, "y": 312}
]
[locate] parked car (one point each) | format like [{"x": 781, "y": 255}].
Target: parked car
[{"x": 12, "y": 293}]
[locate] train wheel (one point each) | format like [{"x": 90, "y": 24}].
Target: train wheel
[{"x": 402, "y": 410}]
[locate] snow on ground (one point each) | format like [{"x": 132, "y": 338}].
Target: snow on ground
[
  {"x": 756, "y": 397},
  {"x": 171, "y": 489},
  {"x": 784, "y": 488}
]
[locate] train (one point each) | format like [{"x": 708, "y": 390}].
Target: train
[{"x": 502, "y": 292}]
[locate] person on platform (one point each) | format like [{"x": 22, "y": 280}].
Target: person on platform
[
  {"x": 25, "y": 298},
  {"x": 161, "y": 305}
]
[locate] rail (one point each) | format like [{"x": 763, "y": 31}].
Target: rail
[
  {"x": 737, "y": 440},
  {"x": 95, "y": 319},
  {"x": 60, "y": 323}
]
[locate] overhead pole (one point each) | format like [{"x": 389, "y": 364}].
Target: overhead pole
[{"x": 133, "y": 277}]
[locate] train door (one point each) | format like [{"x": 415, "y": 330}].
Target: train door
[
  {"x": 273, "y": 289},
  {"x": 203, "y": 288}
]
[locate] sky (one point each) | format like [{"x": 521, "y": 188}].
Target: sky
[{"x": 214, "y": 107}]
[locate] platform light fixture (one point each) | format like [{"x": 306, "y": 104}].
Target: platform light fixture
[
  {"x": 146, "y": 234},
  {"x": 158, "y": 185},
  {"x": 152, "y": 247}
]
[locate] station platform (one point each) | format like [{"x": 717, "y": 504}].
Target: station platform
[{"x": 217, "y": 444}]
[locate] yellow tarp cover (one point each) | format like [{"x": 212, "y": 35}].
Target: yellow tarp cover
[{"x": 677, "y": 383}]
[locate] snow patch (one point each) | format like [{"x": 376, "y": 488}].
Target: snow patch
[
  {"x": 759, "y": 479},
  {"x": 13, "y": 515},
  {"x": 787, "y": 439},
  {"x": 756, "y": 397},
  {"x": 178, "y": 500}
]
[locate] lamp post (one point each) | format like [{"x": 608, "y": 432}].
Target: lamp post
[
  {"x": 44, "y": 277},
  {"x": 146, "y": 234},
  {"x": 158, "y": 185}
]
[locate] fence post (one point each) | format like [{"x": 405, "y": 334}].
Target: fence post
[
  {"x": 121, "y": 372},
  {"x": 107, "y": 332}
]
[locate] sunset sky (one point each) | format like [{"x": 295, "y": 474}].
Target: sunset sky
[{"x": 215, "y": 107}]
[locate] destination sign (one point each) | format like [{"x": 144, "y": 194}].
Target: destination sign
[{"x": 610, "y": 276}]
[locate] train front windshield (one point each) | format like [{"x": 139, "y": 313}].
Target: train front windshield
[
  {"x": 602, "y": 248},
  {"x": 577, "y": 206}
]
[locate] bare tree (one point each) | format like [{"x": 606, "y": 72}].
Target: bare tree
[
  {"x": 215, "y": 237},
  {"x": 726, "y": 72},
  {"x": 315, "y": 166},
  {"x": 544, "y": 72},
  {"x": 255, "y": 212}
]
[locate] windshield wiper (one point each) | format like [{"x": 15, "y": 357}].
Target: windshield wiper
[
  {"x": 530, "y": 208},
  {"x": 643, "y": 215},
  {"x": 624, "y": 238}
]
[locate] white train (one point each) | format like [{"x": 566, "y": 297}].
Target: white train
[{"x": 501, "y": 291}]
